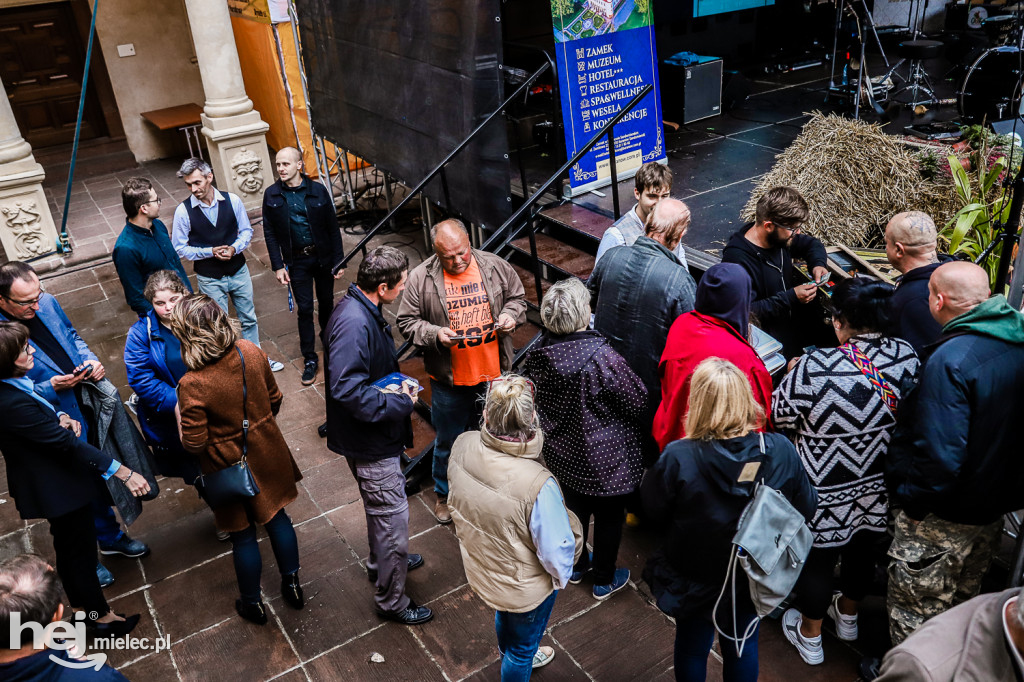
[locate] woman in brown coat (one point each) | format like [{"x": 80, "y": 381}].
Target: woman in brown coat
[{"x": 211, "y": 414}]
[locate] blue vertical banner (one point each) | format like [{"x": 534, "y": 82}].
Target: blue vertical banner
[{"x": 605, "y": 52}]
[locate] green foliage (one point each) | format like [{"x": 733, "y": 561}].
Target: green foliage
[
  {"x": 985, "y": 205},
  {"x": 642, "y": 6},
  {"x": 560, "y": 8}
]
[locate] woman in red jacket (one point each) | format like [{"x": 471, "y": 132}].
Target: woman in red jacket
[{"x": 716, "y": 328}]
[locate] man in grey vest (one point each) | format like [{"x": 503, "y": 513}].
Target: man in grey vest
[{"x": 211, "y": 229}]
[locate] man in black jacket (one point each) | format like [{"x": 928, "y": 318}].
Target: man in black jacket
[
  {"x": 766, "y": 249},
  {"x": 370, "y": 426},
  {"x": 954, "y": 466},
  {"x": 911, "y": 247},
  {"x": 304, "y": 243}
]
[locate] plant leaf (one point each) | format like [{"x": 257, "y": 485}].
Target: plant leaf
[
  {"x": 964, "y": 223},
  {"x": 960, "y": 179},
  {"x": 992, "y": 175}
]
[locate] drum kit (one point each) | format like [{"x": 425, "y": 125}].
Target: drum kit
[{"x": 989, "y": 87}]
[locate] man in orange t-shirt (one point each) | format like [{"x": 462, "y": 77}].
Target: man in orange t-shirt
[{"x": 460, "y": 307}]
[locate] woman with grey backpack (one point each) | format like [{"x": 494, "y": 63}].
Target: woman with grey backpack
[{"x": 701, "y": 486}]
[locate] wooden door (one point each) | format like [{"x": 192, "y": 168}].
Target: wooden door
[{"x": 42, "y": 58}]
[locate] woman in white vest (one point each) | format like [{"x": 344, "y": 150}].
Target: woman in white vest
[{"x": 507, "y": 506}]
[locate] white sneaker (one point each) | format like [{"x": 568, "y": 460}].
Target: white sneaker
[
  {"x": 543, "y": 656},
  {"x": 846, "y": 626},
  {"x": 809, "y": 648},
  {"x": 276, "y": 366}
]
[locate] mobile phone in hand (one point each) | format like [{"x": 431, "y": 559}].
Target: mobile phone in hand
[{"x": 83, "y": 370}]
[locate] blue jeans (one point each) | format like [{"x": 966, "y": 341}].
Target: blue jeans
[
  {"x": 237, "y": 287},
  {"x": 108, "y": 530},
  {"x": 519, "y": 638},
  {"x": 453, "y": 411},
  {"x": 246, "y": 554},
  {"x": 694, "y": 637}
]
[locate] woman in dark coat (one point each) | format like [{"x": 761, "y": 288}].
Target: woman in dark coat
[
  {"x": 701, "y": 485},
  {"x": 210, "y": 401},
  {"x": 55, "y": 476},
  {"x": 590, "y": 405},
  {"x": 152, "y": 357}
]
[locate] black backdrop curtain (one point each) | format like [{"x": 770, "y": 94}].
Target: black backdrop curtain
[{"x": 401, "y": 82}]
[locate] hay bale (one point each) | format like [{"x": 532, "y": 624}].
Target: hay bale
[{"x": 855, "y": 178}]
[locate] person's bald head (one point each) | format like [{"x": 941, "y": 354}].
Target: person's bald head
[
  {"x": 956, "y": 288},
  {"x": 288, "y": 163},
  {"x": 668, "y": 222},
  {"x": 911, "y": 241},
  {"x": 451, "y": 244}
]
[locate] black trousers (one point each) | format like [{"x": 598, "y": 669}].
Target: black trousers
[
  {"x": 307, "y": 275},
  {"x": 856, "y": 572},
  {"x": 74, "y": 543},
  {"x": 609, "y": 514}
]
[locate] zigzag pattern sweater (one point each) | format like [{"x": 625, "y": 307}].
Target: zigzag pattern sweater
[{"x": 841, "y": 429}]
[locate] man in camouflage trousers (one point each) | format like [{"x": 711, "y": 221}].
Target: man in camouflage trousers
[{"x": 954, "y": 467}]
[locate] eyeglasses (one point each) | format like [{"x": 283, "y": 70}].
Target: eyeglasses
[
  {"x": 26, "y": 304},
  {"x": 796, "y": 228},
  {"x": 156, "y": 201}
]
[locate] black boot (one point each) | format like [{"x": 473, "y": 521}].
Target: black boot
[
  {"x": 254, "y": 613},
  {"x": 291, "y": 591}
]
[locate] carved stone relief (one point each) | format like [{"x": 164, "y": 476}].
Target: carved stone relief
[
  {"x": 247, "y": 171},
  {"x": 24, "y": 220}
]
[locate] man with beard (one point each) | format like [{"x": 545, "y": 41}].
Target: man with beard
[{"x": 766, "y": 249}]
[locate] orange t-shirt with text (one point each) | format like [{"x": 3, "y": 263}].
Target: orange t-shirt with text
[{"x": 474, "y": 360}]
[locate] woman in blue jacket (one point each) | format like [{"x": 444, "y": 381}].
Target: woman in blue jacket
[{"x": 152, "y": 356}]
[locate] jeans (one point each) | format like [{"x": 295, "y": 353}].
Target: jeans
[
  {"x": 74, "y": 543},
  {"x": 382, "y": 487},
  {"x": 307, "y": 274},
  {"x": 453, "y": 411},
  {"x": 856, "y": 572},
  {"x": 694, "y": 637},
  {"x": 246, "y": 554},
  {"x": 519, "y": 638},
  {"x": 237, "y": 287},
  {"x": 609, "y": 514},
  {"x": 108, "y": 530}
]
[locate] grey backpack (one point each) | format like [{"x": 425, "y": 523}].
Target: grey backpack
[{"x": 771, "y": 544}]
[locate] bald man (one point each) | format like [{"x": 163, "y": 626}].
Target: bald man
[
  {"x": 304, "y": 244},
  {"x": 954, "y": 467},
  {"x": 637, "y": 292},
  {"x": 460, "y": 308},
  {"x": 911, "y": 247}
]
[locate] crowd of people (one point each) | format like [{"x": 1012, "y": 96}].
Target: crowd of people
[{"x": 643, "y": 398}]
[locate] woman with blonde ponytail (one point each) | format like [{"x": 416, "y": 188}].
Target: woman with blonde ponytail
[{"x": 506, "y": 504}]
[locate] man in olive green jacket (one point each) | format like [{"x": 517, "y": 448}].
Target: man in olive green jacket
[{"x": 460, "y": 308}]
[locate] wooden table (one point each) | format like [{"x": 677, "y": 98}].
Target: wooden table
[{"x": 184, "y": 117}]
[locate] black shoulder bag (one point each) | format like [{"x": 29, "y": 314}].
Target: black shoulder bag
[{"x": 236, "y": 482}]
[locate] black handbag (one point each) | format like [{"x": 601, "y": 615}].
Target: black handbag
[{"x": 236, "y": 482}]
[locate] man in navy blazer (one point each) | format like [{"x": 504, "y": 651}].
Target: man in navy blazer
[{"x": 63, "y": 360}]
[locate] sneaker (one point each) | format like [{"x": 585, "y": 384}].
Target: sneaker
[
  {"x": 809, "y": 649},
  {"x": 544, "y": 655},
  {"x": 846, "y": 626},
  {"x": 125, "y": 546},
  {"x": 105, "y": 577},
  {"x": 577, "y": 576},
  {"x": 222, "y": 535},
  {"x": 309, "y": 372},
  {"x": 620, "y": 580},
  {"x": 276, "y": 366}
]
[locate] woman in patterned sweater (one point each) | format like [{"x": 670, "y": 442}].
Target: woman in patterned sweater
[{"x": 839, "y": 406}]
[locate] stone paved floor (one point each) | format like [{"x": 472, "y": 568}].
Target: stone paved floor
[{"x": 185, "y": 589}]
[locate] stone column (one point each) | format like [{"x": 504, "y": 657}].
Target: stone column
[
  {"x": 235, "y": 133},
  {"x": 26, "y": 224}
]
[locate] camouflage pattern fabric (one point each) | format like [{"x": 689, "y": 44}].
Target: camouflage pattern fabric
[{"x": 935, "y": 565}]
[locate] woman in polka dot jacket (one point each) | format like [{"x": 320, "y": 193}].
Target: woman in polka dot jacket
[{"x": 590, "y": 405}]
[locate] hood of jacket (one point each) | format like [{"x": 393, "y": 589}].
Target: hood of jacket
[
  {"x": 567, "y": 353},
  {"x": 720, "y": 470},
  {"x": 994, "y": 317},
  {"x": 529, "y": 449},
  {"x": 725, "y": 292}
]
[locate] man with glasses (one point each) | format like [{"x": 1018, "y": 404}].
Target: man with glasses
[
  {"x": 62, "y": 362},
  {"x": 766, "y": 249},
  {"x": 144, "y": 245}
]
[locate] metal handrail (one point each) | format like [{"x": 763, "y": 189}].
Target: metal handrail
[
  {"x": 512, "y": 224},
  {"x": 439, "y": 168}
]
